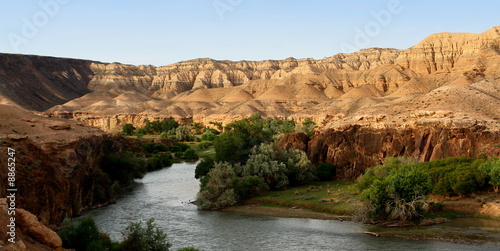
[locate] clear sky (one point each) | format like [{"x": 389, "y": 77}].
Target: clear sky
[{"x": 161, "y": 32}]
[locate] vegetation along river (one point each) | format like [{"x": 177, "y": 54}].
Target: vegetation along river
[{"x": 165, "y": 196}]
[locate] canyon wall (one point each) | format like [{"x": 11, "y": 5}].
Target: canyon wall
[
  {"x": 354, "y": 148},
  {"x": 57, "y": 180}
]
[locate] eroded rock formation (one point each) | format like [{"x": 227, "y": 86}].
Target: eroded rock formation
[
  {"x": 340, "y": 87},
  {"x": 354, "y": 148}
]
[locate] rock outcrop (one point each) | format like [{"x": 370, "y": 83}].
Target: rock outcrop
[
  {"x": 31, "y": 235},
  {"x": 55, "y": 162},
  {"x": 354, "y": 148}
]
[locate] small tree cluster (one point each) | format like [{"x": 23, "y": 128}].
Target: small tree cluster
[
  {"x": 396, "y": 191},
  {"x": 267, "y": 168}
]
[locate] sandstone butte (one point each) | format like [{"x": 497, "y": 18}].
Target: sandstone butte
[{"x": 437, "y": 99}]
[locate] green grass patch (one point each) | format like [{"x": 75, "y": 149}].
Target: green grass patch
[{"x": 333, "y": 197}]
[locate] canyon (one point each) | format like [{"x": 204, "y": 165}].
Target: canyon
[
  {"x": 437, "y": 99},
  {"x": 450, "y": 78}
]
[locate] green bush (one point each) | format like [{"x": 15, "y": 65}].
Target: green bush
[
  {"x": 159, "y": 161},
  {"x": 190, "y": 154},
  {"x": 492, "y": 169},
  {"x": 397, "y": 190},
  {"x": 183, "y": 133},
  {"x": 128, "y": 129},
  {"x": 204, "y": 167},
  {"x": 456, "y": 176},
  {"x": 179, "y": 147},
  {"x": 249, "y": 186},
  {"x": 208, "y": 136},
  {"x": 148, "y": 238},
  {"x": 84, "y": 236},
  {"x": 157, "y": 127},
  {"x": 205, "y": 144},
  {"x": 263, "y": 162},
  {"x": 217, "y": 191},
  {"x": 152, "y": 147},
  {"x": 299, "y": 168}
]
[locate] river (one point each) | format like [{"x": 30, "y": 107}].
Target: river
[{"x": 165, "y": 195}]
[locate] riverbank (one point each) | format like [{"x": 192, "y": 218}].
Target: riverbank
[{"x": 339, "y": 200}]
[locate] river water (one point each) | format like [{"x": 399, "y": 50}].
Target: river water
[{"x": 165, "y": 194}]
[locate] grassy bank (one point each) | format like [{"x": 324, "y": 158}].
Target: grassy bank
[{"x": 339, "y": 198}]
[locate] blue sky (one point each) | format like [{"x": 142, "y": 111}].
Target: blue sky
[{"x": 162, "y": 32}]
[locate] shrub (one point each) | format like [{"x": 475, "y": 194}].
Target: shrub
[
  {"x": 128, "y": 129},
  {"x": 157, "y": 127},
  {"x": 159, "y": 161},
  {"x": 456, "y": 175},
  {"x": 218, "y": 190},
  {"x": 204, "y": 167},
  {"x": 398, "y": 194},
  {"x": 183, "y": 133},
  {"x": 249, "y": 186},
  {"x": 190, "y": 154},
  {"x": 205, "y": 144},
  {"x": 141, "y": 131},
  {"x": 264, "y": 164},
  {"x": 148, "y": 238},
  {"x": 299, "y": 168},
  {"x": 308, "y": 127},
  {"x": 325, "y": 171},
  {"x": 208, "y": 136},
  {"x": 83, "y": 235},
  {"x": 152, "y": 147},
  {"x": 492, "y": 168}
]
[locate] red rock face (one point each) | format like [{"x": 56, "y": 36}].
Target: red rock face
[
  {"x": 56, "y": 180},
  {"x": 354, "y": 148}
]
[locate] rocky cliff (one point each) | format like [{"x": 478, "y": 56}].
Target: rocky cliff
[
  {"x": 55, "y": 162},
  {"x": 335, "y": 88},
  {"x": 354, "y": 148},
  {"x": 30, "y": 234}
]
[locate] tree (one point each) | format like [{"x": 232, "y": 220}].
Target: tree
[
  {"x": 249, "y": 186},
  {"x": 183, "y": 133},
  {"x": 79, "y": 236},
  {"x": 299, "y": 167},
  {"x": 198, "y": 127},
  {"x": 204, "y": 167},
  {"x": 157, "y": 127},
  {"x": 493, "y": 169},
  {"x": 148, "y": 238},
  {"x": 231, "y": 147},
  {"x": 128, "y": 129},
  {"x": 308, "y": 127},
  {"x": 263, "y": 162},
  {"x": 190, "y": 154},
  {"x": 218, "y": 192},
  {"x": 401, "y": 195}
]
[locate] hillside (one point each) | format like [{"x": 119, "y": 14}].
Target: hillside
[{"x": 450, "y": 78}]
